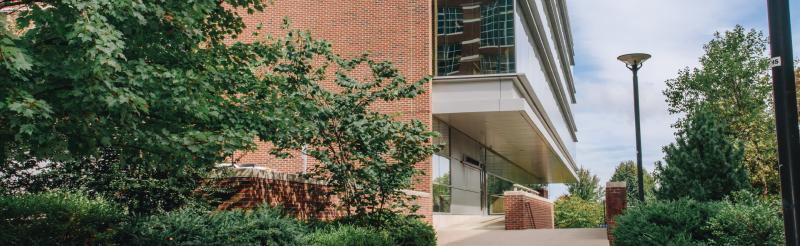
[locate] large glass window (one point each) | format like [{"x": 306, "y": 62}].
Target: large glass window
[
  {"x": 474, "y": 37},
  {"x": 495, "y": 187},
  {"x": 442, "y": 191},
  {"x": 497, "y": 23}
]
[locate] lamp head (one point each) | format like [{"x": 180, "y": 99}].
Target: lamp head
[{"x": 634, "y": 59}]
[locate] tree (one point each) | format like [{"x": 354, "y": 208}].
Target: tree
[
  {"x": 627, "y": 172},
  {"x": 733, "y": 77},
  {"x": 574, "y": 212},
  {"x": 587, "y": 187},
  {"x": 367, "y": 157},
  {"x": 154, "y": 87},
  {"x": 704, "y": 164},
  {"x": 158, "y": 93}
]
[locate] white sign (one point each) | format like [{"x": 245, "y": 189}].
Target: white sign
[{"x": 775, "y": 62}]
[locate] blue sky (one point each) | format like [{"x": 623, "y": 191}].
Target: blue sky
[{"x": 674, "y": 33}]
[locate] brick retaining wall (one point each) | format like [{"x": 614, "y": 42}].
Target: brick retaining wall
[
  {"x": 527, "y": 211},
  {"x": 300, "y": 197}
]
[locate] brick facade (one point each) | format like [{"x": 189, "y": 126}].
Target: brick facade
[
  {"x": 524, "y": 210},
  {"x": 616, "y": 202},
  {"x": 398, "y": 31}
]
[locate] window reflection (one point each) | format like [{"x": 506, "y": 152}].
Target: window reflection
[
  {"x": 495, "y": 187},
  {"x": 441, "y": 184},
  {"x": 474, "y": 37}
]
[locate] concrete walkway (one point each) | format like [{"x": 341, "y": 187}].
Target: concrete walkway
[
  {"x": 567, "y": 237},
  {"x": 490, "y": 230}
]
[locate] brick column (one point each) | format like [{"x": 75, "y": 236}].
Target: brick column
[{"x": 616, "y": 202}]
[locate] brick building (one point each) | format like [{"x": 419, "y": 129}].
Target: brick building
[{"x": 501, "y": 94}]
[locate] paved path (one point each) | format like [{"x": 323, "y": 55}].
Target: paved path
[{"x": 567, "y": 237}]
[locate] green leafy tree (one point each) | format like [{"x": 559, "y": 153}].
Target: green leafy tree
[
  {"x": 704, "y": 164},
  {"x": 587, "y": 187},
  {"x": 575, "y": 212},
  {"x": 627, "y": 172},
  {"x": 733, "y": 77},
  {"x": 367, "y": 157},
  {"x": 160, "y": 92},
  {"x": 155, "y": 88}
]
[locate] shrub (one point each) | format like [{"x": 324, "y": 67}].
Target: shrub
[
  {"x": 57, "y": 218},
  {"x": 260, "y": 226},
  {"x": 665, "y": 223},
  {"x": 574, "y": 212},
  {"x": 705, "y": 163},
  {"x": 746, "y": 220},
  {"x": 348, "y": 235},
  {"x": 412, "y": 232},
  {"x": 403, "y": 229}
]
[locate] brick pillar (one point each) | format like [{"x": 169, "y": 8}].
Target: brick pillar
[
  {"x": 616, "y": 202},
  {"x": 515, "y": 212}
]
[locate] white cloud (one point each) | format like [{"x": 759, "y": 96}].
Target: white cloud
[{"x": 674, "y": 33}]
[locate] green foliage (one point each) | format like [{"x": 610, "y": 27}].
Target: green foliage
[
  {"x": 403, "y": 229},
  {"x": 155, "y": 81},
  {"x": 158, "y": 94},
  {"x": 141, "y": 191},
  {"x": 747, "y": 220},
  {"x": 733, "y": 79},
  {"x": 705, "y": 163},
  {"x": 587, "y": 187},
  {"x": 678, "y": 222},
  {"x": 367, "y": 157},
  {"x": 347, "y": 235},
  {"x": 575, "y": 212},
  {"x": 742, "y": 219},
  {"x": 190, "y": 226},
  {"x": 151, "y": 91},
  {"x": 57, "y": 218},
  {"x": 626, "y": 172}
]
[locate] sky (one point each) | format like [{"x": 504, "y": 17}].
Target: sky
[{"x": 674, "y": 33}]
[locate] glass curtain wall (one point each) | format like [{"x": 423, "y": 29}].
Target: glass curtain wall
[
  {"x": 474, "y": 37},
  {"x": 468, "y": 178}
]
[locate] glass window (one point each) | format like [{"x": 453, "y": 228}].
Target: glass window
[
  {"x": 450, "y": 20},
  {"x": 444, "y": 136},
  {"x": 474, "y": 37},
  {"x": 441, "y": 184},
  {"x": 503, "y": 63},
  {"x": 495, "y": 187},
  {"x": 497, "y": 23},
  {"x": 448, "y": 59}
]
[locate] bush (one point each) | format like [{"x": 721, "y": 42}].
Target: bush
[
  {"x": 574, "y": 212},
  {"x": 191, "y": 226},
  {"x": 742, "y": 219},
  {"x": 665, "y": 223},
  {"x": 57, "y": 218},
  {"x": 403, "y": 229},
  {"x": 746, "y": 220},
  {"x": 347, "y": 235}
]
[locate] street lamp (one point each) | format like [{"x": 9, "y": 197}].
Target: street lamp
[{"x": 634, "y": 63}]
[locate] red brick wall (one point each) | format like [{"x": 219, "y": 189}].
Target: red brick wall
[
  {"x": 616, "y": 202},
  {"x": 303, "y": 199},
  {"x": 396, "y": 30},
  {"x": 527, "y": 211}
]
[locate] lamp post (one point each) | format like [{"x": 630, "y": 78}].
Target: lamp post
[{"x": 634, "y": 63}]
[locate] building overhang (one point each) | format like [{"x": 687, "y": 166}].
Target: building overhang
[{"x": 502, "y": 112}]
